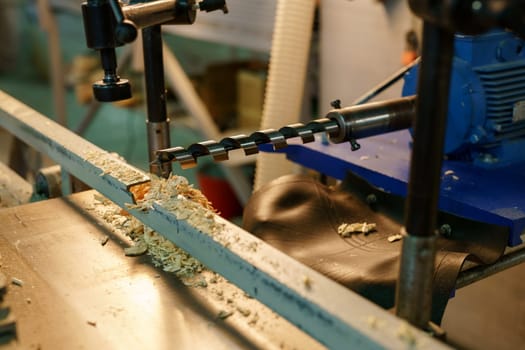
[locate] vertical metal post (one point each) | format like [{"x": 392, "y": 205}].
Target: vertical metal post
[
  {"x": 157, "y": 120},
  {"x": 414, "y": 285}
]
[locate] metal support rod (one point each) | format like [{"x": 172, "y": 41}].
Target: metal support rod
[
  {"x": 385, "y": 84},
  {"x": 150, "y": 13},
  {"x": 478, "y": 273},
  {"x": 157, "y": 120},
  {"x": 413, "y": 293}
]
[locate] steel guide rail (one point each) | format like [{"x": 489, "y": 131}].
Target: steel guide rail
[{"x": 329, "y": 312}]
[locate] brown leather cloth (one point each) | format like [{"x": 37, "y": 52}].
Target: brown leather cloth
[{"x": 300, "y": 217}]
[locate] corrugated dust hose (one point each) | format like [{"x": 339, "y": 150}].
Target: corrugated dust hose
[{"x": 286, "y": 79}]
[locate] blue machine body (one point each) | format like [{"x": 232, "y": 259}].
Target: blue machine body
[
  {"x": 486, "y": 119},
  {"x": 483, "y": 176}
]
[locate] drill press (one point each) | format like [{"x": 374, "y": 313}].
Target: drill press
[{"x": 109, "y": 25}]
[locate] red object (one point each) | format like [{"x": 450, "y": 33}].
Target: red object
[
  {"x": 220, "y": 194},
  {"x": 408, "y": 57}
]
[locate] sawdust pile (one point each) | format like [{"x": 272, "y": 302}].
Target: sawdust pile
[
  {"x": 179, "y": 197},
  {"x": 111, "y": 164}
]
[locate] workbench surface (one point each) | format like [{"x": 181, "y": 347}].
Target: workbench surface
[{"x": 77, "y": 293}]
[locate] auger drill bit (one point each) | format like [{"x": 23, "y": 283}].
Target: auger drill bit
[{"x": 341, "y": 125}]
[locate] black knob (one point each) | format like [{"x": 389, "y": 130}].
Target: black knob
[
  {"x": 110, "y": 92},
  {"x": 104, "y": 32},
  {"x": 212, "y": 5},
  {"x": 111, "y": 87},
  {"x": 125, "y": 32}
]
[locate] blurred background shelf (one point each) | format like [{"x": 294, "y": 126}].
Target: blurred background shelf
[{"x": 212, "y": 65}]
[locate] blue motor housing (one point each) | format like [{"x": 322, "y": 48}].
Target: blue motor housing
[{"x": 486, "y": 115}]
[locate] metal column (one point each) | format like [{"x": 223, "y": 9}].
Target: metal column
[
  {"x": 414, "y": 286},
  {"x": 157, "y": 121}
]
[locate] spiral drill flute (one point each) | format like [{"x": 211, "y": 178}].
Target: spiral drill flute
[{"x": 341, "y": 125}]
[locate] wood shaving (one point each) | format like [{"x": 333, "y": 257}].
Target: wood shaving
[
  {"x": 200, "y": 282},
  {"x": 255, "y": 318},
  {"x": 17, "y": 281},
  {"x": 223, "y": 314},
  {"x": 104, "y": 240},
  {"x": 244, "y": 311},
  {"x": 168, "y": 256},
  {"x": 407, "y": 335},
  {"x": 307, "y": 282},
  {"x": 140, "y": 248},
  {"x": 395, "y": 238},
  {"x": 451, "y": 174},
  {"x": 140, "y": 190},
  {"x": 372, "y": 322},
  {"x": 346, "y": 230},
  {"x": 111, "y": 164}
]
